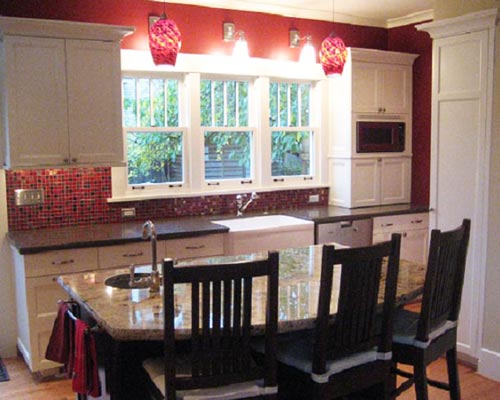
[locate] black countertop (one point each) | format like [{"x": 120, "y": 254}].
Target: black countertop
[{"x": 37, "y": 241}]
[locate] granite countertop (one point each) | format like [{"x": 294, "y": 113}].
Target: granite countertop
[
  {"x": 36, "y": 241},
  {"x": 135, "y": 314}
]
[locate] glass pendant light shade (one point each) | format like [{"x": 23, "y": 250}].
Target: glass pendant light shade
[
  {"x": 240, "y": 49},
  {"x": 333, "y": 55},
  {"x": 307, "y": 54},
  {"x": 164, "y": 41}
]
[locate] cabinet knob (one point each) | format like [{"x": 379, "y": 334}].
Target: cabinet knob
[
  {"x": 66, "y": 161},
  {"x": 74, "y": 160}
]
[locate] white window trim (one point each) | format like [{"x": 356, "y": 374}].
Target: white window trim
[{"x": 261, "y": 71}]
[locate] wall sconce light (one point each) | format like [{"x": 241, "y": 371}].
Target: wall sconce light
[
  {"x": 307, "y": 54},
  {"x": 230, "y": 34},
  {"x": 164, "y": 40}
]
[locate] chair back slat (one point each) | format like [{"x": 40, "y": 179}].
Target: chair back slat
[
  {"x": 444, "y": 278},
  {"x": 221, "y": 323},
  {"x": 356, "y": 325}
]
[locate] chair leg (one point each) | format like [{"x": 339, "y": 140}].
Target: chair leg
[
  {"x": 453, "y": 379},
  {"x": 421, "y": 381}
]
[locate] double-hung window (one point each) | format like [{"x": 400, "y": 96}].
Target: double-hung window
[
  {"x": 227, "y": 136},
  {"x": 155, "y": 140},
  {"x": 292, "y": 134}
]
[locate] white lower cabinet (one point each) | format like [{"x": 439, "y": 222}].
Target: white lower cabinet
[
  {"x": 37, "y": 291},
  {"x": 414, "y": 230},
  {"x": 371, "y": 181},
  {"x": 194, "y": 247}
]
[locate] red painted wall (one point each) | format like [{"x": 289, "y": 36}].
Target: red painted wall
[
  {"x": 201, "y": 29},
  {"x": 408, "y": 39}
]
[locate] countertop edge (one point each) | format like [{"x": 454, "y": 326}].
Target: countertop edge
[{"x": 43, "y": 240}]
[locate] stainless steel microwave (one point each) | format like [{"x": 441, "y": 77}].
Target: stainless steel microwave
[{"x": 380, "y": 136}]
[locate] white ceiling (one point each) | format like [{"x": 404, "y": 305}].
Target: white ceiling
[{"x": 379, "y": 13}]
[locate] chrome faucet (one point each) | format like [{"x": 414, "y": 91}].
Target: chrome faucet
[
  {"x": 149, "y": 231},
  {"x": 240, "y": 206}
]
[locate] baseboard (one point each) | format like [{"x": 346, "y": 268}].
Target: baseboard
[{"x": 489, "y": 364}]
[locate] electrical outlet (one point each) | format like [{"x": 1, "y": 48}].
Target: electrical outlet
[
  {"x": 314, "y": 198},
  {"x": 128, "y": 212},
  {"x": 28, "y": 197}
]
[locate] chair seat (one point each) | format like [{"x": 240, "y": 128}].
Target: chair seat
[
  {"x": 405, "y": 329},
  {"x": 295, "y": 350},
  {"x": 154, "y": 367}
]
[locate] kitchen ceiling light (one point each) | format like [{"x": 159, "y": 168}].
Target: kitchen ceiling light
[
  {"x": 333, "y": 53},
  {"x": 164, "y": 41}
]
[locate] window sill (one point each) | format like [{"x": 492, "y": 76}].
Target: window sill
[{"x": 157, "y": 196}]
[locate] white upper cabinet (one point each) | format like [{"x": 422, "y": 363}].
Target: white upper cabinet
[
  {"x": 381, "y": 88},
  {"x": 61, "y": 85}
]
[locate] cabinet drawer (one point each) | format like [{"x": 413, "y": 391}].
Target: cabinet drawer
[
  {"x": 60, "y": 262},
  {"x": 202, "y": 246},
  {"x": 127, "y": 254},
  {"x": 398, "y": 223}
]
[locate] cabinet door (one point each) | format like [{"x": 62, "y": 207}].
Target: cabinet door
[
  {"x": 365, "y": 88},
  {"x": 93, "y": 70},
  {"x": 42, "y": 294},
  {"x": 394, "y": 89},
  {"x": 414, "y": 244},
  {"x": 381, "y": 88},
  {"x": 395, "y": 180},
  {"x": 365, "y": 182},
  {"x": 37, "y": 122}
]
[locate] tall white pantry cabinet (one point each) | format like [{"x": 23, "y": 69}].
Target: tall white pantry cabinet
[
  {"x": 461, "y": 128},
  {"x": 61, "y": 102},
  {"x": 375, "y": 86}
]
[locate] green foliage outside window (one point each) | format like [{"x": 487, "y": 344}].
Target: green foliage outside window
[{"x": 154, "y": 156}]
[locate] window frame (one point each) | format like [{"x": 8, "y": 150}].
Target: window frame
[{"x": 190, "y": 69}]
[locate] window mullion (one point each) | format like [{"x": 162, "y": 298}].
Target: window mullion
[
  {"x": 137, "y": 104},
  {"x": 299, "y": 105},
  {"x": 212, "y": 99},
  {"x": 151, "y": 103},
  {"x": 165, "y": 102},
  {"x": 225, "y": 103},
  {"x": 289, "y": 104}
]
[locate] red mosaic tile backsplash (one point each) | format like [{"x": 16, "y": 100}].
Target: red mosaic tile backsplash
[{"x": 77, "y": 196}]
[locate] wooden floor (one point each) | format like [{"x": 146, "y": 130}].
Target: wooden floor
[{"x": 23, "y": 386}]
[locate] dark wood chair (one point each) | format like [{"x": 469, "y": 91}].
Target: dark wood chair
[
  {"x": 349, "y": 350},
  {"x": 217, "y": 359},
  {"x": 421, "y": 338}
]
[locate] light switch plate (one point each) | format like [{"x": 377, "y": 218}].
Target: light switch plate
[{"x": 28, "y": 197}]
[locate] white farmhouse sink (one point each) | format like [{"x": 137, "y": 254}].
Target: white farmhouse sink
[{"x": 267, "y": 232}]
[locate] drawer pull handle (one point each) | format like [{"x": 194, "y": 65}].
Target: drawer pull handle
[
  {"x": 63, "y": 262},
  {"x": 201, "y": 246},
  {"x": 417, "y": 221},
  {"x": 133, "y": 254},
  {"x": 388, "y": 224}
]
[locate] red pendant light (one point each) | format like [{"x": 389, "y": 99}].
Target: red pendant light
[
  {"x": 164, "y": 41},
  {"x": 333, "y": 55}
]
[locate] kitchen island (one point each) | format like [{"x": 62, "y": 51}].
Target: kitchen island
[
  {"x": 135, "y": 314},
  {"x": 132, "y": 319}
]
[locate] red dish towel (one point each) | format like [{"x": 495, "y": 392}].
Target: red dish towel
[
  {"x": 59, "y": 346},
  {"x": 85, "y": 372}
]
